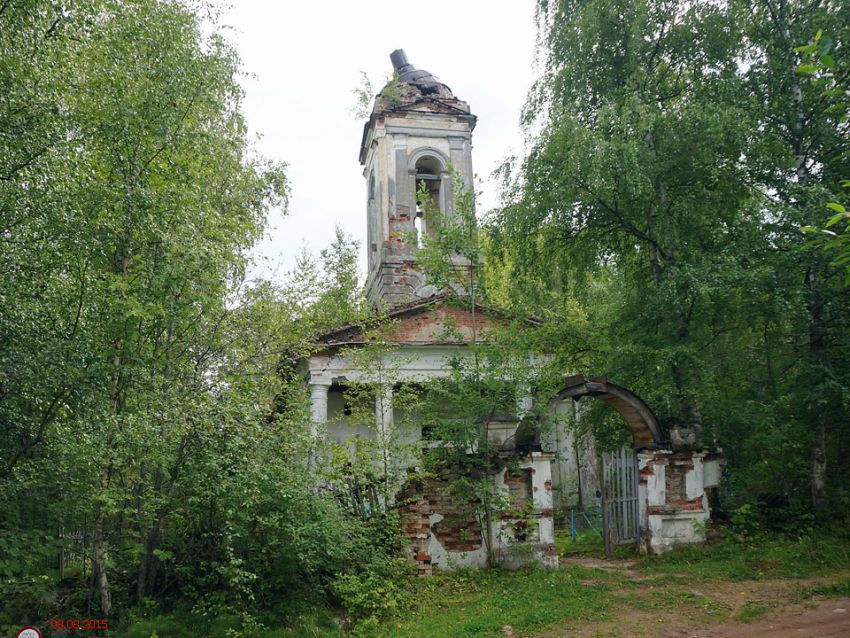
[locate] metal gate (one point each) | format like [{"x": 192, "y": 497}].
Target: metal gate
[{"x": 620, "y": 507}]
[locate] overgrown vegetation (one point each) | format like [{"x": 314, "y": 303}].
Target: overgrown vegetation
[
  {"x": 156, "y": 460},
  {"x": 532, "y": 601},
  {"x": 677, "y": 150},
  {"x": 152, "y": 455}
]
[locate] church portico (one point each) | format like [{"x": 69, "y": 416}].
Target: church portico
[{"x": 415, "y": 350}]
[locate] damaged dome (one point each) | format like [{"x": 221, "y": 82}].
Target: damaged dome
[{"x": 423, "y": 80}]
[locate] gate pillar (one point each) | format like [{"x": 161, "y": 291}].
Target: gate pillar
[{"x": 674, "y": 504}]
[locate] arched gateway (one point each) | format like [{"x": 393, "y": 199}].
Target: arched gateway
[
  {"x": 661, "y": 494},
  {"x": 647, "y": 433}
]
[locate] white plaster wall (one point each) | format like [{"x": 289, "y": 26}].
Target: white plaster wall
[
  {"x": 671, "y": 530},
  {"x": 541, "y": 475},
  {"x": 711, "y": 473},
  {"x": 673, "y": 527},
  {"x": 695, "y": 479},
  {"x": 643, "y": 492},
  {"x": 407, "y": 363},
  {"x": 656, "y": 485},
  {"x": 508, "y": 553}
]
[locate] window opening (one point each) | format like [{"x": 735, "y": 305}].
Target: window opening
[{"x": 428, "y": 185}]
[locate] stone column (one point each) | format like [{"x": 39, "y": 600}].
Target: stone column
[
  {"x": 403, "y": 181},
  {"x": 319, "y": 406},
  {"x": 447, "y": 196},
  {"x": 674, "y": 508},
  {"x": 458, "y": 155},
  {"x": 541, "y": 485}
]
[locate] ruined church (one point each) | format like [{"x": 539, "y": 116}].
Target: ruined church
[{"x": 418, "y": 139}]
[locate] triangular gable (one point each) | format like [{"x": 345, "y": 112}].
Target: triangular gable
[{"x": 432, "y": 321}]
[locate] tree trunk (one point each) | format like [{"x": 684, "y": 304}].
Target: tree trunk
[
  {"x": 819, "y": 465},
  {"x": 817, "y": 350},
  {"x": 147, "y": 568},
  {"x": 100, "y": 565}
]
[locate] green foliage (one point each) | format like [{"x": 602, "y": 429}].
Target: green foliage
[
  {"x": 675, "y": 152},
  {"x": 140, "y": 368},
  {"x": 392, "y": 91},
  {"x": 365, "y": 94},
  {"x": 316, "y": 623},
  {"x": 834, "y": 79},
  {"x": 371, "y": 594},
  {"x": 588, "y": 542}
]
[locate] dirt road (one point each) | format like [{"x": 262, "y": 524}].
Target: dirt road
[
  {"x": 649, "y": 607},
  {"x": 821, "y": 619}
]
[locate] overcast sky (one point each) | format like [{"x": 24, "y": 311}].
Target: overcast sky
[{"x": 306, "y": 58}]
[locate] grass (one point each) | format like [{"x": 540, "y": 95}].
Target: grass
[
  {"x": 184, "y": 624},
  {"x": 833, "y": 590},
  {"x": 672, "y": 599},
  {"x": 588, "y": 543},
  {"x": 750, "y": 611},
  {"x": 480, "y": 604},
  {"x": 757, "y": 559}
]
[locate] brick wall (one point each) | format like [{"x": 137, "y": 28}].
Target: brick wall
[
  {"x": 675, "y": 483},
  {"x": 458, "y": 531},
  {"x": 519, "y": 487}
]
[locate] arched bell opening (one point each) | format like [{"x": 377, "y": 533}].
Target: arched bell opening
[{"x": 430, "y": 198}]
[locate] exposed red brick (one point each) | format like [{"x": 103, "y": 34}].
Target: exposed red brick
[
  {"x": 692, "y": 505},
  {"x": 519, "y": 486}
]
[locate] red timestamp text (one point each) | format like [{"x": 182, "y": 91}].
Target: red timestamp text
[{"x": 79, "y": 623}]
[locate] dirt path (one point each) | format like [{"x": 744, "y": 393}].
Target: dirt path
[
  {"x": 815, "y": 619},
  {"x": 682, "y": 608},
  {"x": 823, "y": 619}
]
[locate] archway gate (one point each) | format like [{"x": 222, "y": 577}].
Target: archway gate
[{"x": 653, "y": 495}]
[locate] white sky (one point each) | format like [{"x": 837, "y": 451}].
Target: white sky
[{"x": 306, "y": 59}]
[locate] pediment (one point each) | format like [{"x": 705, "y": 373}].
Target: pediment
[{"x": 435, "y": 321}]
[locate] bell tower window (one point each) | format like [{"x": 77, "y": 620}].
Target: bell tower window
[{"x": 429, "y": 207}]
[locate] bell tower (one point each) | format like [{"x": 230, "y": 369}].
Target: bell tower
[{"x": 417, "y": 132}]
